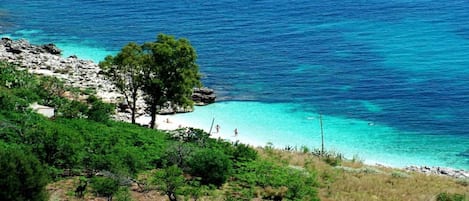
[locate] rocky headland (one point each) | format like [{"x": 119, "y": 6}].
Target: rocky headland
[{"x": 84, "y": 74}]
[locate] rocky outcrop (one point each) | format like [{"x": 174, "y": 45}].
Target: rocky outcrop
[
  {"x": 46, "y": 60},
  {"x": 75, "y": 72},
  {"x": 450, "y": 172},
  {"x": 203, "y": 96},
  {"x": 18, "y": 46},
  {"x": 52, "y": 49}
]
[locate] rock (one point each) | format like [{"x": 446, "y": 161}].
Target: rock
[
  {"x": 52, "y": 49},
  {"x": 441, "y": 171},
  {"x": 203, "y": 96},
  {"x": 5, "y": 39},
  {"x": 14, "y": 50},
  {"x": 46, "y": 60}
]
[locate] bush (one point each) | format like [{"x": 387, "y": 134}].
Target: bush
[
  {"x": 169, "y": 180},
  {"x": 178, "y": 154},
  {"x": 72, "y": 109},
  {"x": 99, "y": 111},
  {"x": 213, "y": 166},
  {"x": 190, "y": 135},
  {"x": 10, "y": 102},
  {"x": 123, "y": 195},
  {"x": 330, "y": 157},
  {"x": 451, "y": 197},
  {"x": 23, "y": 176},
  {"x": 104, "y": 186},
  {"x": 278, "y": 182},
  {"x": 244, "y": 153}
]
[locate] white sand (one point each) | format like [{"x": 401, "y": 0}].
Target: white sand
[{"x": 172, "y": 122}]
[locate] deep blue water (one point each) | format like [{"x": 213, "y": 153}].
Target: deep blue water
[{"x": 399, "y": 63}]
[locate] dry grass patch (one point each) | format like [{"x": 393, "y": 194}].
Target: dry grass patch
[{"x": 355, "y": 181}]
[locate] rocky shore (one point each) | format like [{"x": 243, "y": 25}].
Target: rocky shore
[
  {"x": 84, "y": 74},
  {"x": 441, "y": 171}
]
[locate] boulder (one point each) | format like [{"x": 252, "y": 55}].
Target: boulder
[
  {"x": 14, "y": 50},
  {"x": 203, "y": 96},
  {"x": 52, "y": 49}
]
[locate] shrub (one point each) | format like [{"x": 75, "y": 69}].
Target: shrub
[
  {"x": 178, "y": 154},
  {"x": 123, "y": 195},
  {"x": 23, "y": 176},
  {"x": 10, "y": 102},
  {"x": 190, "y": 135},
  {"x": 304, "y": 149},
  {"x": 213, "y": 166},
  {"x": 72, "y": 109},
  {"x": 104, "y": 186},
  {"x": 169, "y": 181},
  {"x": 244, "y": 153},
  {"x": 99, "y": 111},
  {"x": 451, "y": 197},
  {"x": 330, "y": 157},
  {"x": 278, "y": 182}
]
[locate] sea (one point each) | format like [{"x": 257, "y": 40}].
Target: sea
[{"x": 388, "y": 79}]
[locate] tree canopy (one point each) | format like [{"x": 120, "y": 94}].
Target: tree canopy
[
  {"x": 164, "y": 70},
  {"x": 125, "y": 70},
  {"x": 22, "y": 175},
  {"x": 172, "y": 74}
]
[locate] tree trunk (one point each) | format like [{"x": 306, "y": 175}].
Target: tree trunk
[
  {"x": 134, "y": 106},
  {"x": 153, "y": 114}
]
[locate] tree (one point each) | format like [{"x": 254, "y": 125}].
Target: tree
[
  {"x": 22, "y": 177},
  {"x": 126, "y": 71},
  {"x": 169, "y": 180},
  {"x": 171, "y": 75},
  {"x": 212, "y": 165}
]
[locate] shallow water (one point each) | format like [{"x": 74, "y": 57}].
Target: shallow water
[{"x": 401, "y": 65}]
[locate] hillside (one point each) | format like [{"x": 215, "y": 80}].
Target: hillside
[{"x": 82, "y": 154}]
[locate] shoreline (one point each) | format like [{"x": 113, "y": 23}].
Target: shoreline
[
  {"x": 172, "y": 122},
  {"x": 83, "y": 73}
]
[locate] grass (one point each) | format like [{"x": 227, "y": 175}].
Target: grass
[
  {"x": 349, "y": 182},
  {"x": 356, "y": 181}
]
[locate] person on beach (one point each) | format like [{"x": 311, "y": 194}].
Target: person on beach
[
  {"x": 236, "y": 132},
  {"x": 217, "y": 127}
]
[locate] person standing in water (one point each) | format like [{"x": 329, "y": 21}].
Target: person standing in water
[
  {"x": 236, "y": 132},
  {"x": 217, "y": 127}
]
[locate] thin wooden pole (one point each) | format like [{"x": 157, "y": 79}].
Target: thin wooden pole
[
  {"x": 322, "y": 135},
  {"x": 211, "y": 126}
]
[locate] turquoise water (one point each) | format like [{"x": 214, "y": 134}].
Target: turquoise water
[
  {"x": 288, "y": 125},
  {"x": 389, "y": 77}
]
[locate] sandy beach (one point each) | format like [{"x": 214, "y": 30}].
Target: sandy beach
[{"x": 173, "y": 122}]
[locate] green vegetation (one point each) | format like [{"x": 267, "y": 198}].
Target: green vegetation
[
  {"x": 23, "y": 177},
  {"x": 81, "y": 153},
  {"x": 212, "y": 165},
  {"x": 170, "y": 180},
  {"x": 82, "y": 141},
  {"x": 125, "y": 70},
  {"x": 451, "y": 197},
  {"x": 104, "y": 186},
  {"x": 165, "y": 70}
]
